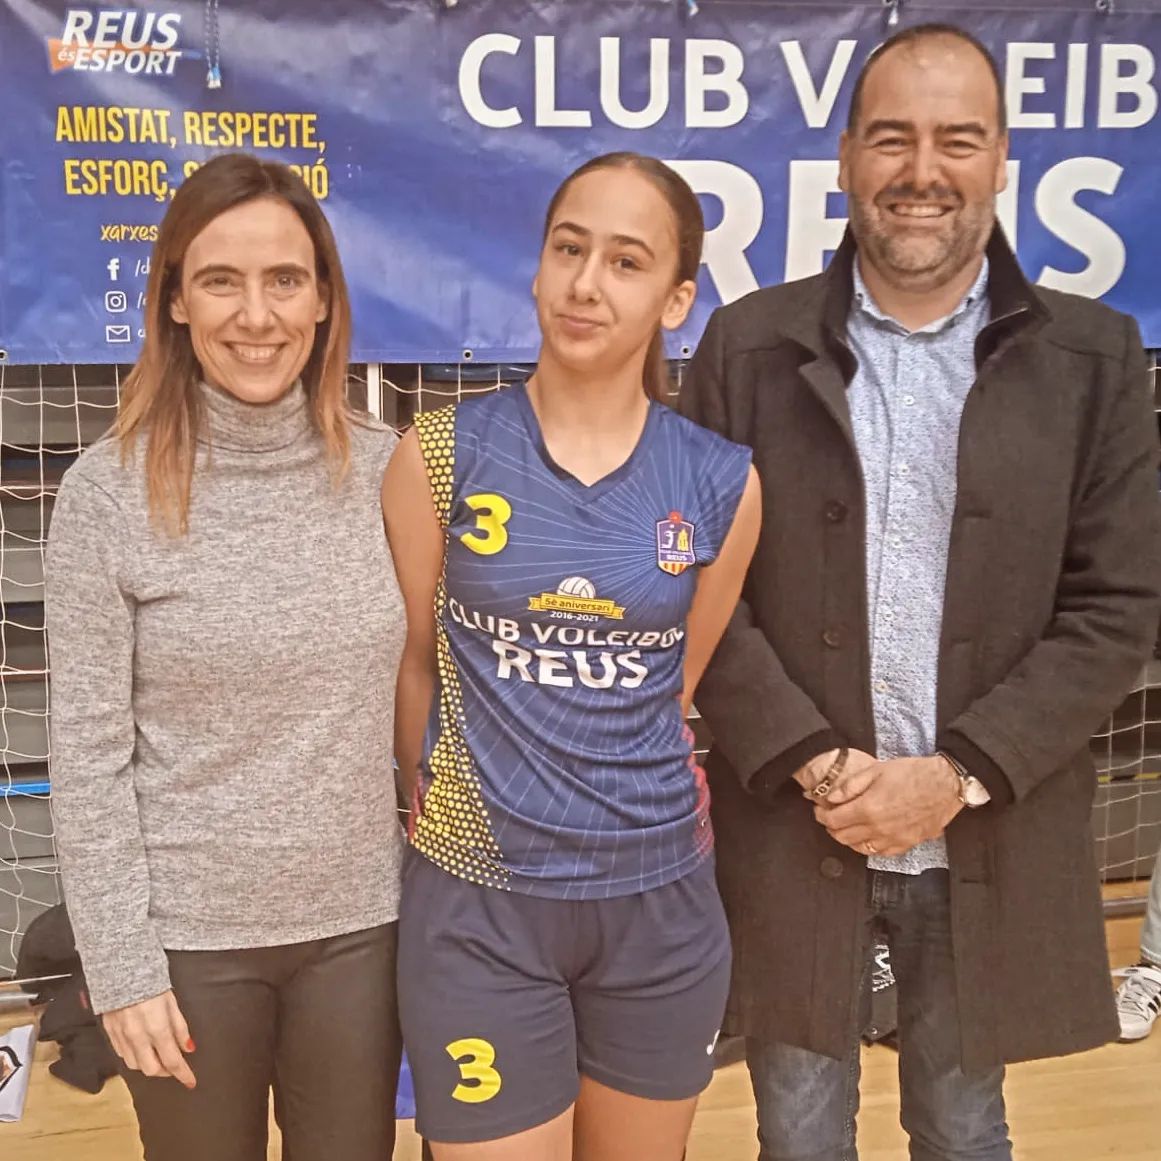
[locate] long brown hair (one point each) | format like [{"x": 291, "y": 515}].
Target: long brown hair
[
  {"x": 159, "y": 397},
  {"x": 687, "y": 218}
]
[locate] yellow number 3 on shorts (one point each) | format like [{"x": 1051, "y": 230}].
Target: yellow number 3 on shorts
[
  {"x": 492, "y": 513},
  {"x": 475, "y": 1059}
]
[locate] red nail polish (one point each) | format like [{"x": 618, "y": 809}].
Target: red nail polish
[{"x": 189, "y": 1045}]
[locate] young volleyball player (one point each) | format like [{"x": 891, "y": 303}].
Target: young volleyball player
[{"x": 564, "y": 955}]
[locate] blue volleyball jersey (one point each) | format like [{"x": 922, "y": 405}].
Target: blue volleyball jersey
[{"x": 557, "y": 762}]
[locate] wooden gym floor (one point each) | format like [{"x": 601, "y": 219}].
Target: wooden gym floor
[{"x": 1101, "y": 1104}]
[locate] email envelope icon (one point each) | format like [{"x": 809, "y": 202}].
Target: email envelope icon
[{"x": 118, "y": 333}]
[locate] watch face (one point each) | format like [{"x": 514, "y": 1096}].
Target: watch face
[{"x": 975, "y": 793}]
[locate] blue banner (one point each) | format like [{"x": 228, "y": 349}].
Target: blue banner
[{"x": 435, "y": 136}]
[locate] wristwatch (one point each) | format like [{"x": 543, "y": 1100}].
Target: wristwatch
[{"x": 972, "y": 792}]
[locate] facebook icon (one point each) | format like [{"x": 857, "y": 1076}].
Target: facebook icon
[{"x": 114, "y": 268}]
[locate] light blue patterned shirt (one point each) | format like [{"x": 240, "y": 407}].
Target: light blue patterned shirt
[{"x": 906, "y": 401}]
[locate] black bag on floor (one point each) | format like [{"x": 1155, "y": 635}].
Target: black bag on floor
[{"x": 86, "y": 1058}]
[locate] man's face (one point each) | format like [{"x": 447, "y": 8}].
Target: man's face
[{"x": 924, "y": 162}]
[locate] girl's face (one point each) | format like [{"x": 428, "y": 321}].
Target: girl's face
[{"x": 608, "y": 272}]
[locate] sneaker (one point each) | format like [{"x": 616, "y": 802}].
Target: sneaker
[{"x": 1138, "y": 1000}]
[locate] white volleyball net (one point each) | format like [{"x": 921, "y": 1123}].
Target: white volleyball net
[{"x": 48, "y": 414}]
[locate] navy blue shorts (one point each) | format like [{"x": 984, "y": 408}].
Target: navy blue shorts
[{"x": 506, "y": 999}]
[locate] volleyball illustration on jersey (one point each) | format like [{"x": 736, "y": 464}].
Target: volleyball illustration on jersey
[
  {"x": 557, "y": 762},
  {"x": 576, "y": 586}
]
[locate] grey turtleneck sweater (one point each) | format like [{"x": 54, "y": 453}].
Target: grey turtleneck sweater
[{"x": 222, "y": 703}]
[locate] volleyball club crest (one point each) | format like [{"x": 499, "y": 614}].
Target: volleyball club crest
[{"x": 675, "y": 544}]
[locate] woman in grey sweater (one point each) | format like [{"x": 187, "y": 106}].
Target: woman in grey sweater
[{"x": 225, "y": 628}]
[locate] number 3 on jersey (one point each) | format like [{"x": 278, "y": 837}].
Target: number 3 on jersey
[
  {"x": 475, "y": 1059},
  {"x": 492, "y": 513}
]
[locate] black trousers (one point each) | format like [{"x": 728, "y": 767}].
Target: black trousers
[{"x": 316, "y": 1022}]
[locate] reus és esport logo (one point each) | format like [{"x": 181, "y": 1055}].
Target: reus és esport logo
[{"x": 117, "y": 41}]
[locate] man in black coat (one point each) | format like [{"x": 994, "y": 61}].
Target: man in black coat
[{"x": 957, "y": 580}]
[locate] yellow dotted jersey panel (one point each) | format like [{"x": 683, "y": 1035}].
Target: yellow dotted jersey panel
[{"x": 453, "y": 828}]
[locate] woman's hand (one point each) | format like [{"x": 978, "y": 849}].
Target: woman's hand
[{"x": 152, "y": 1038}]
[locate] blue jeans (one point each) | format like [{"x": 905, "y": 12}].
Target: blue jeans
[{"x": 807, "y": 1103}]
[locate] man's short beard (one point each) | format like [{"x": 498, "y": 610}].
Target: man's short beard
[{"x": 890, "y": 254}]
